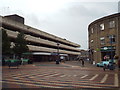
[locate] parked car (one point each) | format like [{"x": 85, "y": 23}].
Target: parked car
[
  {"x": 102, "y": 63},
  {"x": 114, "y": 61}
]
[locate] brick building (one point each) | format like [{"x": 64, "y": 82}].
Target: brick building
[{"x": 104, "y": 38}]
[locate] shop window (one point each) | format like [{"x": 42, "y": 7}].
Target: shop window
[
  {"x": 111, "y": 24},
  {"x": 102, "y": 26}
]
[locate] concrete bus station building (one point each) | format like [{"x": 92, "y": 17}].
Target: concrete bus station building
[
  {"x": 104, "y": 38},
  {"x": 42, "y": 45}
]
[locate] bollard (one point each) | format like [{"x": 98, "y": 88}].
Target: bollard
[{"x": 57, "y": 61}]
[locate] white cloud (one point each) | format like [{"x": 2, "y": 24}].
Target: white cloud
[{"x": 65, "y": 18}]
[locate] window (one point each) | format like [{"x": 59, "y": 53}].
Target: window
[
  {"x": 12, "y": 44},
  {"x": 112, "y": 38},
  {"x": 102, "y": 39},
  {"x": 111, "y": 24},
  {"x": 102, "y": 26},
  {"x": 92, "y": 30},
  {"x": 91, "y": 41}
]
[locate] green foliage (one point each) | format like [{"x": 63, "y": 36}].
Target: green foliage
[
  {"x": 20, "y": 44},
  {"x": 5, "y": 43}
]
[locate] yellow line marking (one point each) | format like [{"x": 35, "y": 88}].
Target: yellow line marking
[
  {"x": 104, "y": 78},
  {"x": 94, "y": 77},
  {"x": 84, "y": 76},
  {"x": 116, "y": 80}
]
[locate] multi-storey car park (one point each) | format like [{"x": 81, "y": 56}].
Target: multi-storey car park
[
  {"x": 104, "y": 38},
  {"x": 42, "y": 45}
]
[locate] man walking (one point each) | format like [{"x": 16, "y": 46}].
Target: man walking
[{"x": 82, "y": 62}]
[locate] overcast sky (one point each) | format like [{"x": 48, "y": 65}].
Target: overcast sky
[{"x": 67, "y": 19}]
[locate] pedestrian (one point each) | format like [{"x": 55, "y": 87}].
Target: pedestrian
[
  {"x": 104, "y": 67},
  {"x": 82, "y": 62},
  {"x": 106, "y": 57},
  {"x": 22, "y": 61},
  {"x": 117, "y": 61}
]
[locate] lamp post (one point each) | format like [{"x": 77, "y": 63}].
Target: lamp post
[
  {"x": 91, "y": 55},
  {"x": 111, "y": 41},
  {"x": 57, "y": 61},
  {"x": 58, "y": 48},
  {"x": 112, "y": 62}
]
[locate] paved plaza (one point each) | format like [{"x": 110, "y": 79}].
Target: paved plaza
[{"x": 68, "y": 75}]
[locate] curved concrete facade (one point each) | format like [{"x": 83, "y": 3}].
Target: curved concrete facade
[
  {"x": 104, "y": 37},
  {"x": 38, "y": 41}
]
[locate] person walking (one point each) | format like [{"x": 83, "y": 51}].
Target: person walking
[
  {"x": 82, "y": 62},
  {"x": 22, "y": 62},
  {"x": 117, "y": 61},
  {"x": 105, "y": 67}
]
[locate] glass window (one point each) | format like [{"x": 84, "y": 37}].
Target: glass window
[
  {"x": 112, "y": 24},
  {"x": 92, "y": 30},
  {"x": 102, "y": 39},
  {"x": 112, "y": 38},
  {"x": 91, "y": 41},
  {"x": 102, "y": 26}
]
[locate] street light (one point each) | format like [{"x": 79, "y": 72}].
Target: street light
[
  {"x": 58, "y": 48},
  {"x": 111, "y": 42},
  {"x": 57, "y": 61},
  {"x": 91, "y": 55},
  {"x": 112, "y": 61}
]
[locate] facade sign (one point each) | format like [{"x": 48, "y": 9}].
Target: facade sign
[{"x": 107, "y": 48}]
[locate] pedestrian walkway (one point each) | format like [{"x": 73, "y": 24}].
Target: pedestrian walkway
[
  {"x": 78, "y": 63},
  {"x": 87, "y": 66},
  {"x": 59, "y": 80},
  {"x": 65, "y": 75}
]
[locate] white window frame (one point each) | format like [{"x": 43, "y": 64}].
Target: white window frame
[
  {"x": 112, "y": 24},
  {"x": 102, "y": 26},
  {"x": 102, "y": 39},
  {"x": 91, "y": 41},
  {"x": 92, "y": 30}
]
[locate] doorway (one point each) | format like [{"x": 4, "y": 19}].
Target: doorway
[{"x": 111, "y": 54}]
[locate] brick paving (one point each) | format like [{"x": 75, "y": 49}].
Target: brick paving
[{"x": 68, "y": 75}]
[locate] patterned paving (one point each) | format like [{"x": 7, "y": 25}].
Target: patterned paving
[{"x": 62, "y": 78}]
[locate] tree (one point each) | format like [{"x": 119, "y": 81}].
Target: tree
[
  {"x": 5, "y": 43},
  {"x": 20, "y": 45}
]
